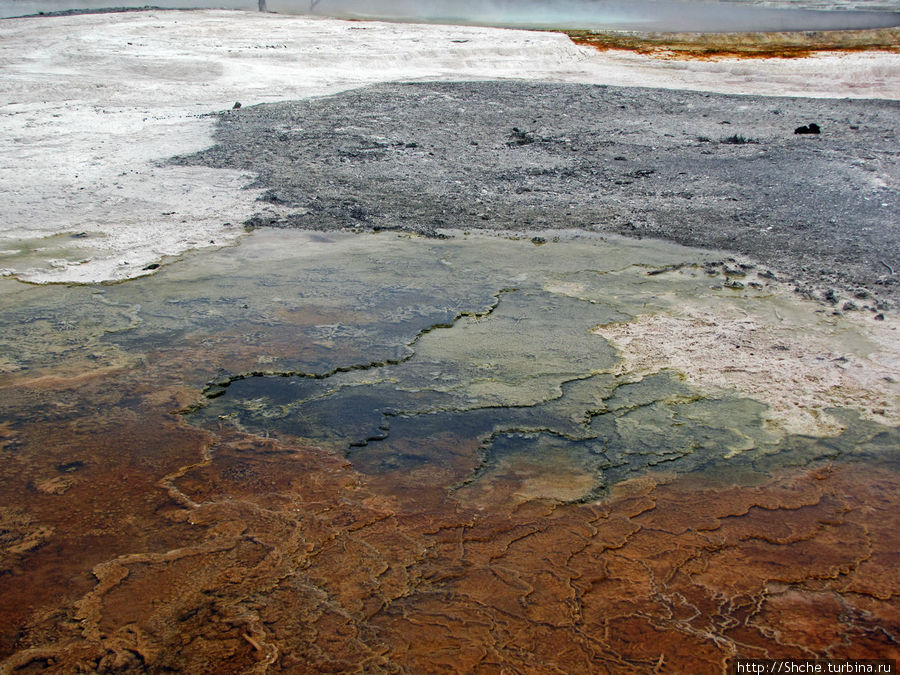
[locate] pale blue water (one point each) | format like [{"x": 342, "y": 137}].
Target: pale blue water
[{"x": 651, "y": 15}]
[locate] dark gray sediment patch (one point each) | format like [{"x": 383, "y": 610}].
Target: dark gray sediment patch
[
  {"x": 710, "y": 170},
  {"x": 84, "y": 10}
]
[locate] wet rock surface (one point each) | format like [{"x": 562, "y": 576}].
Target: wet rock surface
[
  {"x": 709, "y": 170},
  {"x": 541, "y": 500}
]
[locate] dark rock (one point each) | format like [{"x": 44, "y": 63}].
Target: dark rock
[
  {"x": 271, "y": 197},
  {"x": 738, "y": 139},
  {"x": 519, "y": 137},
  {"x": 811, "y": 128}
]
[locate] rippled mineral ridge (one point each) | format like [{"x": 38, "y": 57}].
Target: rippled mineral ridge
[{"x": 335, "y": 453}]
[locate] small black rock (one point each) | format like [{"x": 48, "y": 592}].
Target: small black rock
[
  {"x": 519, "y": 137},
  {"x": 811, "y": 128}
]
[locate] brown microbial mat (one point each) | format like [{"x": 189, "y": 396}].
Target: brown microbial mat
[
  {"x": 377, "y": 453},
  {"x": 710, "y": 46}
]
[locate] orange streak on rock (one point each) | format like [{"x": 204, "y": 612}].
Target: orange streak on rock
[{"x": 715, "y": 46}]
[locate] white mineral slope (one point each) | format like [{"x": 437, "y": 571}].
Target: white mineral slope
[{"x": 91, "y": 105}]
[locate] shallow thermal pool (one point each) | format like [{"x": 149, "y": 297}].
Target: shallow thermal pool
[{"x": 474, "y": 357}]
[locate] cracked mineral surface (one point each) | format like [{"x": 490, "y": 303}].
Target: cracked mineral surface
[
  {"x": 336, "y": 452},
  {"x": 331, "y": 448}
]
